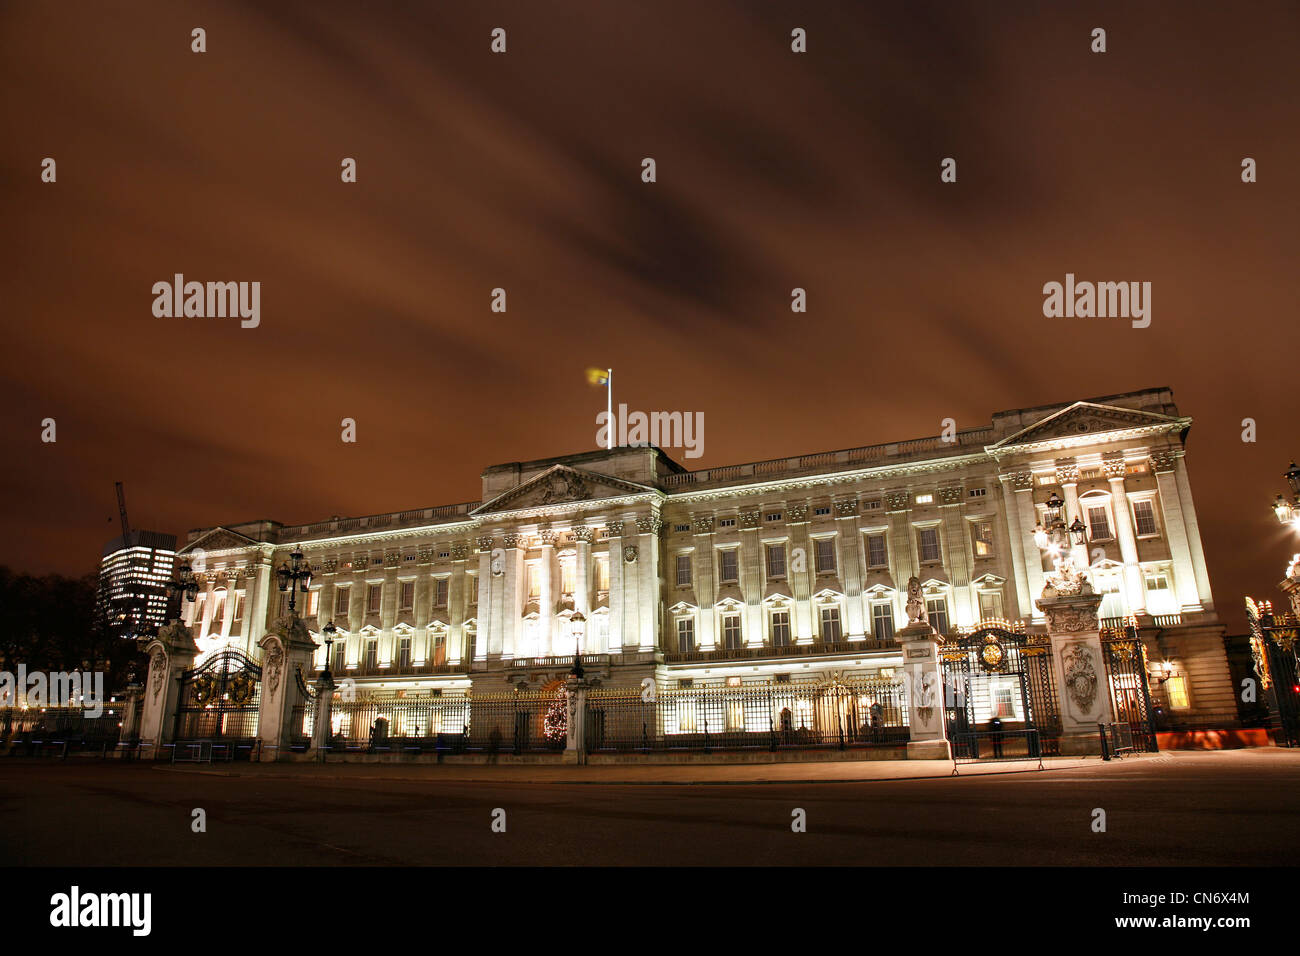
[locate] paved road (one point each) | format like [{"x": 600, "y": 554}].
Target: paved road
[{"x": 1233, "y": 808}]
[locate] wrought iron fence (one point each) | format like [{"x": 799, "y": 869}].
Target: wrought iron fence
[
  {"x": 35, "y": 731},
  {"x": 768, "y": 716}
]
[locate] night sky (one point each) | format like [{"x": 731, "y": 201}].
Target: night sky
[{"x": 522, "y": 171}]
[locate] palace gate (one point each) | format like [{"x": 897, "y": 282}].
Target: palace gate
[
  {"x": 1130, "y": 696},
  {"x": 218, "y": 707},
  {"x": 999, "y": 694}
]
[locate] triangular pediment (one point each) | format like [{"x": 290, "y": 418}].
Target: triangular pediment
[
  {"x": 1082, "y": 423},
  {"x": 218, "y": 539},
  {"x": 561, "y": 485}
]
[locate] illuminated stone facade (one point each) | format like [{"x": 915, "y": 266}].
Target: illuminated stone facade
[{"x": 788, "y": 566}]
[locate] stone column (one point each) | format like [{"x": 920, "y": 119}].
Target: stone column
[
  {"x": 1128, "y": 552},
  {"x": 485, "y": 589},
  {"x": 512, "y": 595},
  {"x": 320, "y": 728},
  {"x": 923, "y": 684},
  {"x": 703, "y": 559},
  {"x": 546, "y": 596},
  {"x": 1180, "y": 549},
  {"x": 749, "y": 564},
  {"x": 1028, "y": 521},
  {"x": 647, "y": 565},
  {"x": 257, "y": 602},
  {"x": 1079, "y": 670},
  {"x": 1067, "y": 473},
  {"x": 617, "y": 604},
  {"x": 457, "y": 599},
  {"x": 902, "y": 557},
  {"x": 1193, "y": 533},
  {"x": 284, "y": 649},
  {"x": 1019, "y": 561},
  {"x": 575, "y": 747},
  {"x": 171, "y": 653},
  {"x": 851, "y": 573},
  {"x": 582, "y": 571},
  {"x": 958, "y": 556}
]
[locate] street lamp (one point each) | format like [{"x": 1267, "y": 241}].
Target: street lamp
[
  {"x": 578, "y": 622},
  {"x": 1288, "y": 512},
  {"x": 185, "y": 587},
  {"x": 330, "y": 633},
  {"x": 1059, "y": 542},
  {"x": 295, "y": 577}
]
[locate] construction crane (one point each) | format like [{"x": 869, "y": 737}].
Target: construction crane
[{"x": 121, "y": 510}]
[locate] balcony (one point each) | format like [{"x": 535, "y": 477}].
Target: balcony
[
  {"x": 766, "y": 652},
  {"x": 395, "y": 669}
]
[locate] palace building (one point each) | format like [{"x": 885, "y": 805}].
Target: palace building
[{"x": 786, "y": 569}]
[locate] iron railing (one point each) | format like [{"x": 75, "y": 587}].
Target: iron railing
[
  {"x": 767, "y": 716},
  {"x": 38, "y": 731}
]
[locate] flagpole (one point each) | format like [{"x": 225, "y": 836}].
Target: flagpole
[{"x": 609, "y": 404}]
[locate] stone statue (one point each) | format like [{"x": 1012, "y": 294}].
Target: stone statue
[{"x": 916, "y": 612}]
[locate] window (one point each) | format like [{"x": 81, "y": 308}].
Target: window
[
  {"x": 824, "y": 555},
  {"x": 925, "y": 499},
  {"x": 990, "y": 605},
  {"x": 776, "y": 560},
  {"x": 1098, "y": 523},
  {"x": 1144, "y": 517},
  {"x": 313, "y": 602},
  {"x": 567, "y": 574},
  {"x": 340, "y": 655},
  {"x": 341, "y": 601},
  {"x": 371, "y": 660},
  {"x": 727, "y": 567},
  {"x": 929, "y": 542},
  {"x": 830, "y": 624},
  {"x": 681, "y": 527},
  {"x": 823, "y": 510},
  {"x": 602, "y": 573},
  {"x": 683, "y": 570},
  {"x": 781, "y": 628},
  {"x": 239, "y": 606},
  {"x": 408, "y": 595},
  {"x": 1176, "y": 688},
  {"x": 982, "y": 538},
  {"x": 534, "y": 581},
  {"x": 978, "y": 492},
  {"x": 772, "y": 516},
  {"x": 1004, "y": 702},
  {"x": 877, "y": 553},
  {"x": 937, "y": 608},
  {"x": 473, "y": 589},
  {"x": 404, "y": 651},
  {"x": 726, "y": 522},
  {"x": 731, "y": 632},
  {"x": 439, "y": 648},
  {"x": 373, "y": 594},
  {"x": 685, "y": 635},
  {"x": 440, "y": 592},
  {"x": 882, "y": 621}
]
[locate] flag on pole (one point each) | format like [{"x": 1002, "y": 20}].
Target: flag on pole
[
  {"x": 598, "y": 376},
  {"x": 602, "y": 376}
]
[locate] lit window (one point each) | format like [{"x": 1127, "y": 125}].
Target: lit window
[
  {"x": 313, "y": 603},
  {"x": 372, "y": 653},
  {"x": 685, "y": 634},
  {"x": 824, "y": 555},
  {"x": 341, "y": 600},
  {"x": 1176, "y": 688},
  {"x": 683, "y": 570},
  {"x": 404, "y": 651},
  {"x": 1098, "y": 523},
  {"x": 781, "y": 628},
  {"x": 929, "y": 542},
  {"x": 937, "y": 608},
  {"x": 1144, "y": 517},
  {"x": 982, "y": 538},
  {"x": 731, "y": 632},
  {"x": 990, "y": 605},
  {"x": 925, "y": 499},
  {"x": 882, "y": 621},
  {"x": 830, "y": 624},
  {"x": 776, "y": 561}
]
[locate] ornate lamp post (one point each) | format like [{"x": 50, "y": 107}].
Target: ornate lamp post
[
  {"x": 330, "y": 633},
  {"x": 578, "y": 622},
  {"x": 185, "y": 586},
  {"x": 295, "y": 577},
  {"x": 1288, "y": 512},
  {"x": 1061, "y": 543}
]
